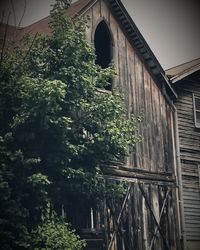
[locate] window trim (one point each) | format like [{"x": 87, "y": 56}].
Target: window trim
[
  {"x": 198, "y": 166},
  {"x": 197, "y": 123}
]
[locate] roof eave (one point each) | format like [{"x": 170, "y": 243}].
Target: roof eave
[
  {"x": 184, "y": 74},
  {"x": 139, "y": 43}
]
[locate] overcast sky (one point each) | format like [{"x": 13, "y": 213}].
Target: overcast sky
[{"x": 170, "y": 27}]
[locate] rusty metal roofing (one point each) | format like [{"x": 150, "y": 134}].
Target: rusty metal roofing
[
  {"x": 9, "y": 30},
  {"x": 41, "y": 26},
  {"x": 183, "y": 70}
]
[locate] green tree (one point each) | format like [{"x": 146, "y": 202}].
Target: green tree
[
  {"x": 56, "y": 129},
  {"x": 53, "y": 233}
]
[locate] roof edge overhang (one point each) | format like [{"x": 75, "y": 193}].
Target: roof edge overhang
[
  {"x": 135, "y": 38},
  {"x": 177, "y": 78},
  {"x": 138, "y": 42}
]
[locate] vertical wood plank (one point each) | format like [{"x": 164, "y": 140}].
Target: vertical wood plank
[
  {"x": 114, "y": 30},
  {"x": 132, "y": 93},
  {"x": 146, "y": 121},
  {"x": 121, "y": 61},
  {"x": 153, "y": 130},
  {"x": 89, "y": 27},
  {"x": 96, "y": 16},
  {"x": 139, "y": 82},
  {"x": 156, "y": 210},
  {"x": 104, "y": 11},
  {"x": 161, "y": 119},
  {"x": 146, "y": 239}
]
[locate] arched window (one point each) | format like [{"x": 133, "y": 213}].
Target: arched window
[{"x": 103, "y": 47}]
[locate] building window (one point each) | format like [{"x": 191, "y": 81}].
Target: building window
[
  {"x": 196, "y": 103},
  {"x": 199, "y": 175},
  {"x": 103, "y": 48}
]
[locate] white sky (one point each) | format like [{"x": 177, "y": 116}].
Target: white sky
[{"x": 170, "y": 27}]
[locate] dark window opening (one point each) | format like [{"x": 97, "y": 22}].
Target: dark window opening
[{"x": 103, "y": 45}]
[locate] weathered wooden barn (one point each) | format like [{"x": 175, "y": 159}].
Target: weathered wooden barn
[
  {"x": 148, "y": 216},
  {"x": 186, "y": 81}
]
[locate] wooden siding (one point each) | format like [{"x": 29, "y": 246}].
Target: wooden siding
[
  {"x": 142, "y": 97},
  {"x": 149, "y": 213},
  {"x": 191, "y": 197},
  {"x": 189, "y": 137},
  {"x": 142, "y": 220},
  {"x": 151, "y": 229},
  {"x": 146, "y": 218}
]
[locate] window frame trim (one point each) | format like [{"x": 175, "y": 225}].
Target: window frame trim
[
  {"x": 196, "y": 123},
  {"x": 198, "y": 167}
]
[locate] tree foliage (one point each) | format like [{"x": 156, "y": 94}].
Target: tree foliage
[
  {"x": 54, "y": 233},
  {"x": 56, "y": 130}
]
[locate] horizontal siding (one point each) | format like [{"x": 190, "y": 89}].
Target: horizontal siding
[
  {"x": 191, "y": 201},
  {"x": 191, "y": 198},
  {"x": 189, "y": 138}
]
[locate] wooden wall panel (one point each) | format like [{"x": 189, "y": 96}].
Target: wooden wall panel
[
  {"x": 142, "y": 96},
  {"x": 88, "y": 30},
  {"x": 131, "y": 89},
  {"x": 147, "y": 169},
  {"x": 121, "y": 62},
  {"x": 141, "y": 230},
  {"x": 115, "y": 49},
  {"x": 138, "y": 103},
  {"x": 149, "y": 112},
  {"x": 162, "y": 119},
  {"x": 189, "y": 138},
  {"x": 188, "y": 134},
  {"x": 144, "y": 219},
  {"x": 96, "y": 17},
  {"x": 104, "y": 11},
  {"x": 147, "y": 121}
]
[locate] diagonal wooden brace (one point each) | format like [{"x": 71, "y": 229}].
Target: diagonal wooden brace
[
  {"x": 157, "y": 224},
  {"x": 119, "y": 217},
  {"x": 161, "y": 213}
]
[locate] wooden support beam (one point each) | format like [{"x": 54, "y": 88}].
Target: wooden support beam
[
  {"x": 161, "y": 213},
  {"x": 139, "y": 174},
  {"x": 155, "y": 220},
  {"x": 119, "y": 217}
]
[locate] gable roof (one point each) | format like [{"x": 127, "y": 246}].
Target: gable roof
[
  {"x": 127, "y": 25},
  {"x": 8, "y": 30},
  {"x": 181, "y": 71},
  {"x": 139, "y": 43},
  {"x": 41, "y": 26}
]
